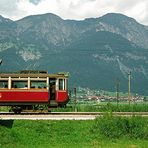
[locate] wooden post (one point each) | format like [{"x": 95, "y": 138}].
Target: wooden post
[
  {"x": 75, "y": 99},
  {"x": 129, "y": 87},
  {"x": 117, "y": 90}
]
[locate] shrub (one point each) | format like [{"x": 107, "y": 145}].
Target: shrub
[{"x": 116, "y": 127}]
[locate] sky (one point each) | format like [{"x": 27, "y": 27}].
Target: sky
[{"x": 75, "y": 9}]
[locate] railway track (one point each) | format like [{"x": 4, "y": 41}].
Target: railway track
[
  {"x": 63, "y": 115},
  {"x": 72, "y": 113}
]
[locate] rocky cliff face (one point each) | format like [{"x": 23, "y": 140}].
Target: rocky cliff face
[
  {"x": 95, "y": 51},
  {"x": 127, "y": 28}
]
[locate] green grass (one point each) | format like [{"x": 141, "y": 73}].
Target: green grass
[
  {"x": 62, "y": 134},
  {"x": 4, "y": 108},
  {"x": 101, "y": 107},
  {"x": 117, "y": 127},
  {"x": 104, "y": 107}
]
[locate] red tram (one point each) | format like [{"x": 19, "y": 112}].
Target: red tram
[{"x": 27, "y": 89}]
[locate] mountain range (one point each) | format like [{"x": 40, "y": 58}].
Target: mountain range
[{"x": 95, "y": 51}]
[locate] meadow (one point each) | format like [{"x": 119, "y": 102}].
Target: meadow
[
  {"x": 94, "y": 107},
  {"x": 105, "y": 107},
  {"x": 105, "y": 132}
]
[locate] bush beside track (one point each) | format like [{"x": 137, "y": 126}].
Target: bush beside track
[{"x": 134, "y": 127}]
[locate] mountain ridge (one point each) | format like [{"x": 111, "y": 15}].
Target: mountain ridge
[{"x": 96, "y": 51}]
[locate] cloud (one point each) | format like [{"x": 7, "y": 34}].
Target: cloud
[
  {"x": 5, "y": 9},
  {"x": 9, "y": 9},
  {"x": 75, "y": 9},
  {"x": 36, "y": 2}
]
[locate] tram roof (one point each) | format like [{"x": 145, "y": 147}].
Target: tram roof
[{"x": 34, "y": 75}]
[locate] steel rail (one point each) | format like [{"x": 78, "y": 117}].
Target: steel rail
[
  {"x": 64, "y": 115},
  {"x": 74, "y": 113}
]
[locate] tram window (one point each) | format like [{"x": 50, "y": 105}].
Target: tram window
[
  {"x": 19, "y": 84},
  {"x": 38, "y": 84},
  {"x": 4, "y": 84},
  {"x": 61, "y": 84}
]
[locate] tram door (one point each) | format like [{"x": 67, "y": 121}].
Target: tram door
[{"x": 52, "y": 88}]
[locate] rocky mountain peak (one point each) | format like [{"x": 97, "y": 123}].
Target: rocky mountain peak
[
  {"x": 5, "y": 20},
  {"x": 93, "y": 49},
  {"x": 127, "y": 27},
  {"x": 40, "y": 18},
  {"x": 116, "y": 17}
]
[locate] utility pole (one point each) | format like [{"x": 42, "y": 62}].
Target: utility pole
[
  {"x": 117, "y": 90},
  {"x": 75, "y": 99},
  {"x": 129, "y": 87}
]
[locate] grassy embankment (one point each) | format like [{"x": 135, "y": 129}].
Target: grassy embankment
[
  {"x": 105, "y": 107},
  {"x": 101, "y": 107},
  {"x": 106, "y": 132}
]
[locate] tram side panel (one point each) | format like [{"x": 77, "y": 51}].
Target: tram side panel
[
  {"x": 17, "y": 89},
  {"x": 62, "y": 96},
  {"x": 28, "y": 97},
  {"x": 62, "y": 91}
]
